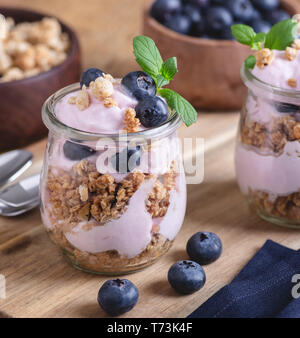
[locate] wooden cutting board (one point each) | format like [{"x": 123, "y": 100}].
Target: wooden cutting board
[{"x": 40, "y": 283}]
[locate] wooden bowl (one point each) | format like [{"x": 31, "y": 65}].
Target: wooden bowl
[
  {"x": 209, "y": 70},
  {"x": 22, "y": 100}
]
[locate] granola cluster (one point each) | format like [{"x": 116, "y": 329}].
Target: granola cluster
[
  {"x": 264, "y": 57},
  {"x": 84, "y": 194},
  {"x": 131, "y": 122},
  {"x": 282, "y": 206},
  {"x": 29, "y": 48},
  {"x": 272, "y": 137}
]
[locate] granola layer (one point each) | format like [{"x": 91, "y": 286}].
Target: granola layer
[
  {"x": 273, "y": 136},
  {"x": 287, "y": 207},
  {"x": 111, "y": 261},
  {"x": 83, "y": 196}
]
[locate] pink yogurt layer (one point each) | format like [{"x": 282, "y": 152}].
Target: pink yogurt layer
[
  {"x": 132, "y": 232},
  {"x": 276, "y": 175},
  {"x": 280, "y": 71},
  {"x": 96, "y": 118}
]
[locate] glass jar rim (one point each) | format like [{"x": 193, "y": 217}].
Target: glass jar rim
[
  {"x": 253, "y": 82},
  {"x": 54, "y": 124}
]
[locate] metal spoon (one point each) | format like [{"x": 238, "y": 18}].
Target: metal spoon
[
  {"x": 18, "y": 198},
  {"x": 21, "y": 194},
  {"x": 10, "y": 212},
  {"x": 13, "y": 164}
]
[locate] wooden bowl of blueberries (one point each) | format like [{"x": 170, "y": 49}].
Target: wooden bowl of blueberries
[
  {"x": 198, "y": 33},
  {"x": 38, "y": 55}
]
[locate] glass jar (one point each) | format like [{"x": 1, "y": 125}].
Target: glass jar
[
  {"x": 268, "y": 151},
  {"x": 112, "y": 203}
]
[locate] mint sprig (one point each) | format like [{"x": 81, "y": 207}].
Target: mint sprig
[
  {"x": 245, "y": 35},
  {"x": 149, "y": 58},
  {"x": 280, "y": 36}
]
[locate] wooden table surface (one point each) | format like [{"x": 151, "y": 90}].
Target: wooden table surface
[{"x": 40, "y": 283}]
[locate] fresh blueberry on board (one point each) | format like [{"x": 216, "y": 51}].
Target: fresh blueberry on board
[
  {"x": 127, "y": 160},
  {"x": 217, "y": 19},
  {"x": 90, "y": 75},
  {"x": 152, "y": 111},
  {"x": 283, "y": 107},
  {"x": 139, "y": 84},
  {"x": 179, "y": 23},
  {"x": 77, "y": 152},
  {"x": 266, "y": 5},
  {"x": 260, "y": 26},
  {"x": 162, "y": 9},
  {"x": 242, "y": 10},
  {"x": 204, "y": 247},
  {"x": 118, "y": 296},
  {"x": 186, "y": 277},
  {"x": 276, "y": 16}
]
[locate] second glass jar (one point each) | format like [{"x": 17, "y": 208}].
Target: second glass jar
[{"x": 268, "y": 151}]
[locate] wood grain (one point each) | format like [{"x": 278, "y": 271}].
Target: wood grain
[{"x": 40, "y": 283}]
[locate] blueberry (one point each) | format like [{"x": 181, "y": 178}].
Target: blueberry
[
  {"x": 226, "y": 34},
  {"x": 266, "y": 5},
  {"x": 260, "y": 26},
  {"x": 127, "y": 160},
  {"x": 256, "y": 15},
  {"x": 152, "y": 111},
  {"x": 218, "y": 2},
  {"x": 186, "y": 277},
  {"x": 217, "y": 19},
  {"x": 90, "y": 75},
  {"x": 201, "y": 4},
  {"x": 240, "y": 9},
  {"x": 204, "y": 247},
  {"x": 139, "y": 84},
  {"x": 283, "y": 107},
  {"x": 193, "y": 13},
  {"x": 77, "y": 152},
  {"x": 118, "y": 296},
  {"x": 276, "y": 16},
  {"x": 199, "y": 30},
  {"x": 179, "y": 23},
  {"x": 162, "y": 9}
]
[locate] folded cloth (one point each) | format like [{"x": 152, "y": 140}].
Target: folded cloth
[{"x": 263, "y": 289}]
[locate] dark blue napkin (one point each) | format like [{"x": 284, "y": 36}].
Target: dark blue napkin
[{"x": 263, "y": 289}]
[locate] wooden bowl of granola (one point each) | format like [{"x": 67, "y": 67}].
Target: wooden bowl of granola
[
  {"x": 39, "y": 59},
  {"x": 209, "y": 70}
]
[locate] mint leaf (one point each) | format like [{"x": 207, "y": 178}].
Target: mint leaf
[
  {"x": 282, "y": 35},
  {"x": 243, "y": 34},
  {"x": 183, "y": 108},
  {"x": 258, "y": 40},
  {"x": 161, "y": 81},
  {"x": 147, "y": 55},
  {"x": 169, "y": 68},
  {"x": 250, "y": 62}
]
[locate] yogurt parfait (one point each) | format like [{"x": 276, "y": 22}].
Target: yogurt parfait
[
  {"x": 113, "y": 188},
  {"x": 268, "y": 147}
]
